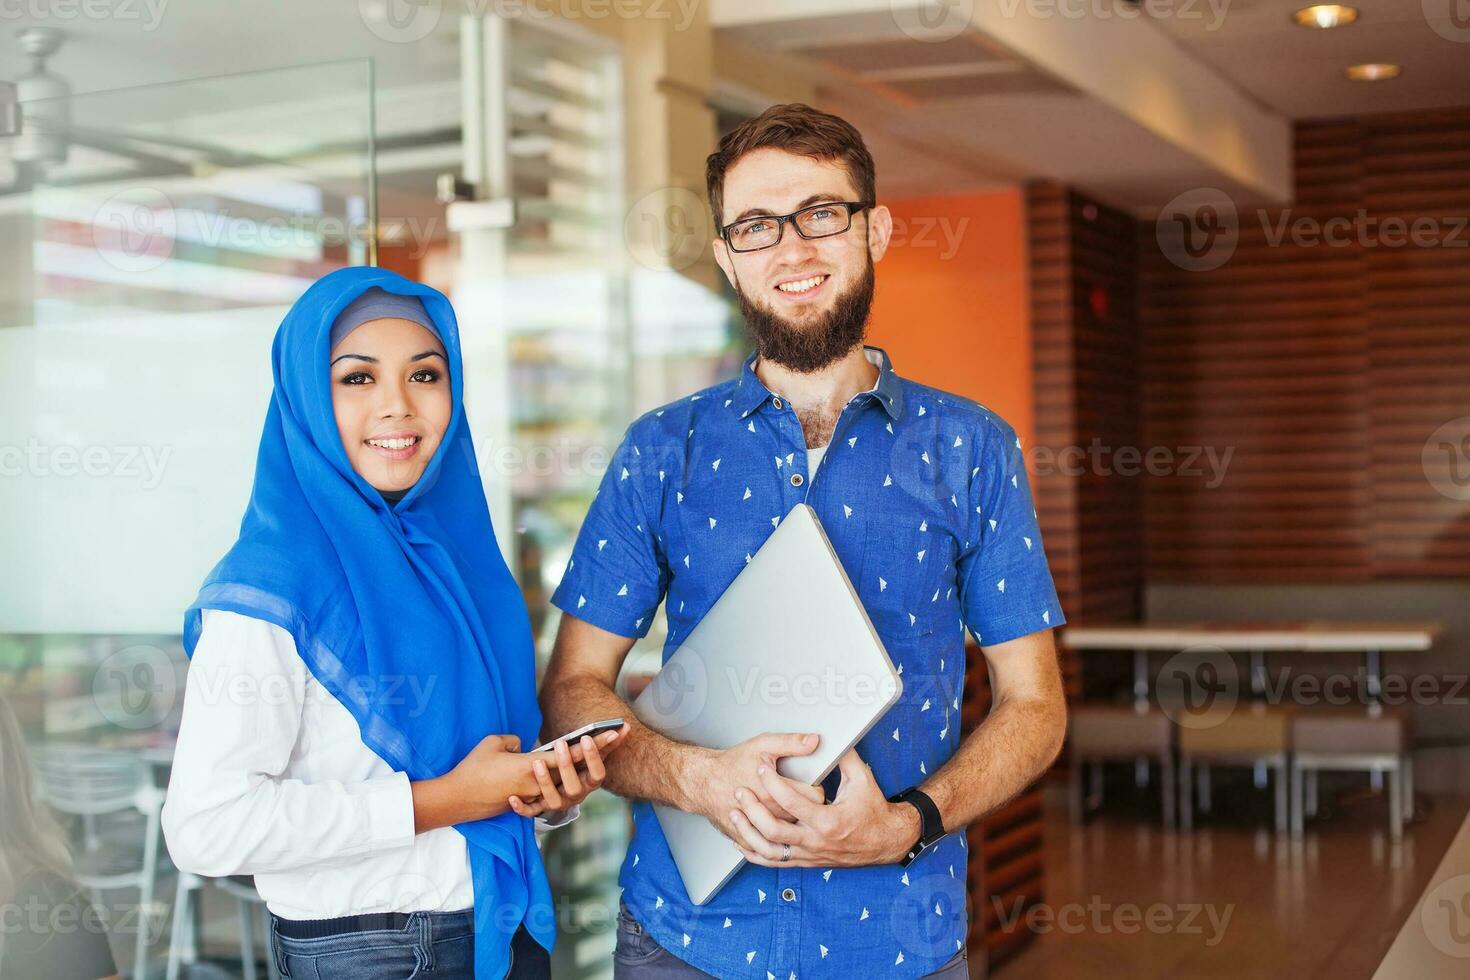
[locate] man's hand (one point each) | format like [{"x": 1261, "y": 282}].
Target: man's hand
[
  {"x": 722, "y": 774},
  {"x": 859, "y": 828},
  {"x": 571, "y": 786}
]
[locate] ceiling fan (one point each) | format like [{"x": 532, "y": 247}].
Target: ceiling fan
[{"x": 38, "y": 133}]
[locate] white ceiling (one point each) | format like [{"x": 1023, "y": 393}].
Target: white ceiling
[
  {"x": 214, "y": 37},
  {"x": 1299, "y": 72},
  {"x": 1014, "y": 117}
]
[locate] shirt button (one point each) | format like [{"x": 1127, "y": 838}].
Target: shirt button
[
  {"x": 778, "y": 403},
  {"x": 797, "y": 480},
  {"x": 789, "y": 894}
]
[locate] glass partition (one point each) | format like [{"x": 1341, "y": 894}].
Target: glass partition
[{"x": 150, "y": 241}]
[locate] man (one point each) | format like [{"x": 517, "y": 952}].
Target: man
[{"x": 925, "y": 498}]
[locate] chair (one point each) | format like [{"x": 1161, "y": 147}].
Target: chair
[
  {"x": 94, "y": 784},
  {"x": 182, "y": 937},
  {"x": 1252, "y": 734},
  {"x": 1370, "y": 740},
  {"x": 1103, "y": 733}
]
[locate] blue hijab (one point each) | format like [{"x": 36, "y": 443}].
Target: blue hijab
[{"x": 404, "y": 611}]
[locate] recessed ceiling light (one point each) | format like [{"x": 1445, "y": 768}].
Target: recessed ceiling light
[
  {"x": 1373, "y": 72},
  {"x": 1324, "y": 15}
]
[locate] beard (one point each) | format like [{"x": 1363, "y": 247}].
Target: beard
[{"x": 809, "y": 347}]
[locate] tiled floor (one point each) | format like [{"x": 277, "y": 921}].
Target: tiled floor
[{"x": 1124, "y": 898}]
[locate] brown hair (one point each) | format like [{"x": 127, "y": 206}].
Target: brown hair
[
  {"x": 799, "y": 129},
  {"x": 30, "y": 839}
]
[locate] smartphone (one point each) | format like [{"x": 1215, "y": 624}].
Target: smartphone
[{"x": 594, "y": 729}]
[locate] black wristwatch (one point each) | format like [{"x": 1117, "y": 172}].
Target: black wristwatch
[{"x": 931, "y": 827}]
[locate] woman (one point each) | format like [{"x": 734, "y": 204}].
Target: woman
[
  {"x": 362, "y": 676},
  {"x": 48, "y": 928}
]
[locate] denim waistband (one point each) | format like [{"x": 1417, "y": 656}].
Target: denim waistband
[{"x": 441, "y": 925}]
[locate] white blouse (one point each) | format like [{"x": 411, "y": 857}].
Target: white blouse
[{"x": 271, "y": 778}]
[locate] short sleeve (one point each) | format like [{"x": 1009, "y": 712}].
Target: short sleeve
[
  {"x": 1006, "y": 588},
  {"x": 617, "y": 574}
]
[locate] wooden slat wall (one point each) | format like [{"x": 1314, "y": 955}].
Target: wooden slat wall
[
  {"x": 1417, "y": 167},
  {"x": 1085, "y": 344},
  {"x": 1323, "y": 367}
]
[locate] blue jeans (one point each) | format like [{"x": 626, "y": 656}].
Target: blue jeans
[
  {"x": 639, "y": 957},
  {"x": 394, "y": 946}
]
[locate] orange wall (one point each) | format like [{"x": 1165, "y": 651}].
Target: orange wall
[{"x": 952, "y": 305}]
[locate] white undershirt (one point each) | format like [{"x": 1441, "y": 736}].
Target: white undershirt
[
  {"x": 271, "y": 778},
  {"x": 814, "y": 456}
]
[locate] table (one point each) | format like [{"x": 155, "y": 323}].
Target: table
[{"x": 1371, "y": 640}]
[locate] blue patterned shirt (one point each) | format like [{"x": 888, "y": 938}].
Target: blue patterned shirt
[{"x": 925, "y": 498}]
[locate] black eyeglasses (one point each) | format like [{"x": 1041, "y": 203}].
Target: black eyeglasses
[{"x": 817, "y": 221}]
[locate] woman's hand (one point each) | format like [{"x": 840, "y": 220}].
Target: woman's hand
[
  {"x": 476, "y": 788},
  {"x": 571, "y": 786},
  {"x": 495, "y": 771}
]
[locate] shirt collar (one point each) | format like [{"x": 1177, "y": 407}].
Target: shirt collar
[{"x": 750, "y": 393}]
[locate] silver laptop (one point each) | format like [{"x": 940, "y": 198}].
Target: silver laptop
[{"x": 787, "y": 648}]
